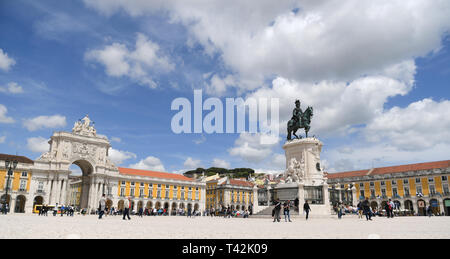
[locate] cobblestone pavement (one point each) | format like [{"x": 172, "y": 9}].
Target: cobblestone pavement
[{"x": 34, "y": 226}]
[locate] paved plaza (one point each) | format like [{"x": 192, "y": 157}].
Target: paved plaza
[{"x": 33, "y": 226}]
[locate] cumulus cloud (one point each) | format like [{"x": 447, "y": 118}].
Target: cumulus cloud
[
  {"x": 338, "y": 106},
  {"x": 150, "y": 163},
  {"x": 38, "y": 144},
  {"x": 250, "y": 147},
  {"x": 191, "y": 163},
  {"x": 421, "y": 125},
  {"x": 319, "y": 40},
  {"x": 312, "y": 51},
  {"x": 40, "y": 122},
  {"x": 2, "y": 139},
  {"x": 138, "y": 64},
  {"x": 6, "y": 62},
  {"x": 220, "y": 163},
  {"x": 119, "y": 156},
  {"x": 12, "y": 88},
  {"x": 3, "y": 117}
]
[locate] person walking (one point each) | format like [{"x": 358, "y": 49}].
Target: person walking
[
  {"x": 189, "y": 212},
  {"x": 429, "y": 211},
  {"x": 277, "y": 211},
  {"x": 391, "y": 208},
  {"x": 286, "y": 208},
  {"x": 101, "y": 207},
  {"x": 141, "y": 212},
  {"x": 366, "y": 208},
  {"x": 306, "y": 209},
  {"x": 360, "y": 210},
  {"x": 127, "y": 206},
  {"x": 339, "y": 210}
]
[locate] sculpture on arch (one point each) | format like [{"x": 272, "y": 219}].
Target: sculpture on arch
[{"x": 84, "y": 127}]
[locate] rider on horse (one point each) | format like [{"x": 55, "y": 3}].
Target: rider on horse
[{"x": 297, "y": 112}]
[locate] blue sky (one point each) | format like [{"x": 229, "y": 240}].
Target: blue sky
[{"x": 380, "y": 90}]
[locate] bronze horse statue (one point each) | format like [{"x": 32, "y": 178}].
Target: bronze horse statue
[{"x": 300, "y": 120}]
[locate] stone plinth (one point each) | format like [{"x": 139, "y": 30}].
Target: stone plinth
[{"x": 311, "y": 182}]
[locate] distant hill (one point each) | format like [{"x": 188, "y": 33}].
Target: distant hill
[{"x": 232, "y": 173}]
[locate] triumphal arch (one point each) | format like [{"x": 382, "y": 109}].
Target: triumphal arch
[{"x": 84, "y": 148}]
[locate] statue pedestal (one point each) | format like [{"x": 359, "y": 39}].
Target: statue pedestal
[{"x": 312, "y": 184}]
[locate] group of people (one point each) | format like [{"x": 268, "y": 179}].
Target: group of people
[
  {"x": 4, "y": 208},
  {"x": 286, "y": 206},
  {"x": 364, "y": 208},
  {"x": 227, "y": 212}
]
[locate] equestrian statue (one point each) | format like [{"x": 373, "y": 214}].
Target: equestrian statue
[{"x": 299, "y": 120}]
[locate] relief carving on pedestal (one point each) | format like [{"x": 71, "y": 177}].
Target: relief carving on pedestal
[{"x": 296, "y": 170}]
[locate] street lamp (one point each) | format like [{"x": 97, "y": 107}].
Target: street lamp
[{"x": 9, "y": 166}]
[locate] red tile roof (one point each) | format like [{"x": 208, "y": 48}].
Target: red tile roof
[
  {"x": 346, "y": 174},
  {"x": 155, "y": 174},
  {"x": 20, "y": 159},
  {"x": 411, "y": 167},
  {"x": 239, "y": 183},
  {"x": 391, "y": 169}
]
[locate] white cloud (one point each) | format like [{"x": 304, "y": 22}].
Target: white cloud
[
  {"x": 191, "y": 163},
  {"x": 338, "y": 106},
  {"x": 200, "y": 140},
  {"x": 368, "y": 155},
  {"x": 318, "y": 42},
  {"x": 138, "y": 64},
  {"x": 3, "y": 117},
  {"x": 250, "y": 148},
  {"x": 220, "y": 163},
  {"x": 119, "y": 156},
  {"x": 279, "y": 161},
  {"x": 38, "y": 144},
  {"x": 12, "y": 88},
  {"x": 218, "y": 86},
  {"x": 419, "y": 126},
  {"x": 40, "y": 122},
  {"x": 6, "y": 62},
  {"x": 2, "y": 139},
  {"x": 149, "y": 163},
  {"x": 116, "y": 139}
]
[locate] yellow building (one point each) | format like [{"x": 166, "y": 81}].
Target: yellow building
[
  {"x": 15, "y": 187},
  {"x": 151, "y": 189},
  {"x": 226, "y": 192},
  {"x": 412, "y": 187}
]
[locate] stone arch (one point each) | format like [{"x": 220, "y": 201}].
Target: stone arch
[
  {"x": 38, "y": 200},
  {"x": 196, "y": 207},
  {"x": 158, "y": 205},
  {"x": 374, "y": 205},
  {"x": 174, "y": 208},
  {"x": 140, "y": 204},
  {"x": 446, "y": 206},
  {"x": 87, "y": 169},
  {"x": 408, "y": 204},
  {"x": 81, "y": 147},
  {"x": 421, "y": 207},
  {"x": 120, "y": 205},
  {"x": 383, "y": 205},
  {"x": 149, "y": 205},
  {"x": 20, "y": 204},
  {"x": 434, "y": 203},
  {"x": 397, "y": 204},
  {"x": 109, "y": 204}
]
